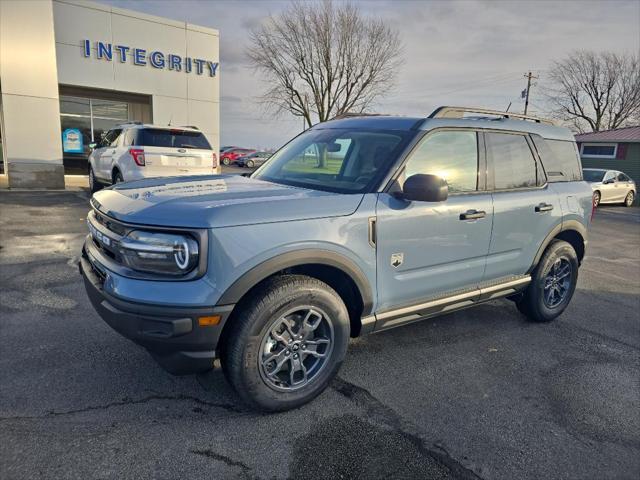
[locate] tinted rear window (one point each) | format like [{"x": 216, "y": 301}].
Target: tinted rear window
[
  {"x": 159, "y": 137},
  {"x": 560, "y": 159}
]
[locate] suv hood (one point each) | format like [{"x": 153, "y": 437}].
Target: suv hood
[{"x": 217, "y": 201}]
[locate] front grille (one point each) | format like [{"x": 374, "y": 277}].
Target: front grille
[{"x": 106, "y": 233}]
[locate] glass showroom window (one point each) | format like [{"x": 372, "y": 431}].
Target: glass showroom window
[{"x": 83, "y": 121}]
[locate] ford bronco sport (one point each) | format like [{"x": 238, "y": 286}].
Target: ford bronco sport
[{"x": 357, "y": 225}]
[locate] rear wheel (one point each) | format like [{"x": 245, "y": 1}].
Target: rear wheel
[
  {"x": 286, "y": 343},
  {"x": 117, "y": 177},
  {"x": 94, "y": 185},
  {"x": 552, "y": 284},
  {"x": 225, "y": 161},
  {"x": 596, "y": 198},
  {"x": 628, "y": 200}
]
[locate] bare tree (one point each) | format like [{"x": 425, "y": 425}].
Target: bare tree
[
  {"x": 595, "y": 91},
  {"x": 323, "y": 60}
]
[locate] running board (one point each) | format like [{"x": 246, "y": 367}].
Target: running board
[{"x": 401, "y": 316}]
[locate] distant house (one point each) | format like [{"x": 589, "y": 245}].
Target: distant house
[{"x": 617, "y": 149}]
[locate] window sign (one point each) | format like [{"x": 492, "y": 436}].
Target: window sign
[{"x": 72, "y": 141}]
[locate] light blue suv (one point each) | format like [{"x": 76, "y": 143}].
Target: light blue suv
[{"x": 357, "y": 225}]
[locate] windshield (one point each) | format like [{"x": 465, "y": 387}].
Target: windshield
[
  {"x": 335, "y": 160},
  {"x": 593, "y": 175},
  {"x": 159, "y": 137}
]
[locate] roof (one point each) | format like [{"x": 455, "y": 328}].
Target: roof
[
  {"x": 389, "y": 122},
  {"x": 626, "y": 134}
]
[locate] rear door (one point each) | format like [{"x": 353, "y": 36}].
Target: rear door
[
  {"x": 624, "y": 186},
  {"x": 525, "y": 207},
  {"x": 171, "y": 152},
  {"x": 107, "y": 152}
]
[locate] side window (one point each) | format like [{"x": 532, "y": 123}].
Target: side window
[
  {"x": 513, "y": 163},
  {"x": 116, "y": 134},
  {"x": 560, "y": 159},
  {"x": 452, "y": 155},
  {"x": 609, "y": 176},
  {"x": 106, "y": 139},
  {"x": 129, "y": 137},
  {"x": 622, "y": 177}
]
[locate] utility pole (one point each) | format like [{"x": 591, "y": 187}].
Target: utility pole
[{"x": 529, "y": 76}]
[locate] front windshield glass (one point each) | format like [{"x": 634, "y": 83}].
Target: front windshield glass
[
  {"x": 335, "y": 160},
  {"x": 593, "y": 175}
]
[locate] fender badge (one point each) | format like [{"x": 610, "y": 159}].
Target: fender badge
[{"x": 397, "y": 259}]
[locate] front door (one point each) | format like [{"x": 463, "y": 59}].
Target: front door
[{"x": 427, "y": 249}]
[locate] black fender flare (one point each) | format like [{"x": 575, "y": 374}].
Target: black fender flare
[
  {"x": 255, "y": 275},
  {"x": 566, "y": 225}
]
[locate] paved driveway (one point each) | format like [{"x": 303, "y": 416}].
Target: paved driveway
[{"x": 476, "y": 394}]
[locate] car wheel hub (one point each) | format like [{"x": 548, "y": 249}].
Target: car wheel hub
[
  {"x": 295, "y": 348},
  {"x": 557, "y": 282}
]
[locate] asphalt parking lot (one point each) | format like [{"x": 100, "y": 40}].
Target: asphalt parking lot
[{"x": 475, "y": 394}]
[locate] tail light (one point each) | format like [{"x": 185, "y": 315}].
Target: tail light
[
  {"x": 214, "y": 160},
  {"x": 138, "y": 156}
]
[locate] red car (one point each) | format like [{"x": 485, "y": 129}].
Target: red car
[{"x": 230, "y": 156}]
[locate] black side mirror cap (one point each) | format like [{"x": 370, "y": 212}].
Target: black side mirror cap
[{"x": 425, "y": 188}]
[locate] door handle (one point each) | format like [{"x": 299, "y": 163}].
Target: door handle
[
  {"x": 472, "y": 215},
  {"x": 543, "y": 207}
]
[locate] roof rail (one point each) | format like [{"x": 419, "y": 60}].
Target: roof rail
[
  {"x": 192, "y": 127},
  {"x": 130, "y": 123},
  {"x": 458, "y": 112}
]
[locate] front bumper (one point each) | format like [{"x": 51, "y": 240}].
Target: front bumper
[{"x": 172, "y": 335}]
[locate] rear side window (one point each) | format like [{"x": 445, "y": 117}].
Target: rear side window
[
  {"x": 560, "y": 159},
  {"x": 160, "y": 137},
  {"x": 513, "y": 163}
]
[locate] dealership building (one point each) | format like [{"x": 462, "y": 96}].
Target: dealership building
[{"x": 71, "y": 70}]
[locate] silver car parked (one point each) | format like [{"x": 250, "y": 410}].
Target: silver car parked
[{"x": 610, "y": 186}]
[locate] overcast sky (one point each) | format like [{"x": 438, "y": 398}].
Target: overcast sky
[{"x": 456, "y": 53}]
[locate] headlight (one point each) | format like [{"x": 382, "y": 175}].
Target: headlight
[{"x": 164, "y": 253}]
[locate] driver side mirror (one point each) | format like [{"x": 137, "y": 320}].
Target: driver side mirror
[
  {"x": 93, "y": 146},
  {"x": 425, "y": 188},
  {"x": 608, "y": 180}
]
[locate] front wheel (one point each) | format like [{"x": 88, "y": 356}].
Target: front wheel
[
  {"x": 553, "y": 283},
  {"x": 225, "y": 161},
  {"x": 250, "y": 164},
  {"x": 596, "y": 199},
  {"x": 287, "y": 343},
  {"x": 628, "y": 200}
]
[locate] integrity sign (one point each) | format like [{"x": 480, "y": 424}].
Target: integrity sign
[{"x": 155, "y": 58}]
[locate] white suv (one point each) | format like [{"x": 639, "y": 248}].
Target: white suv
[{"x": 134, "y": 151}]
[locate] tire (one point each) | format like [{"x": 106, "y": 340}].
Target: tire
[
  {"x": 544, "y": 305},
  {"x": 94, "y": 185},
  {"x": 628, "y": 200},
  {"x": 250, "y": 164},
  {"x": 268, "y": 385},
  {"x": 225, "y": 161},
  {"x": 117, "y": 177},
  {"x": 596, "y": 198}
]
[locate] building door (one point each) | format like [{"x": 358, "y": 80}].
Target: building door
[{"x": 86, "y": 115}]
